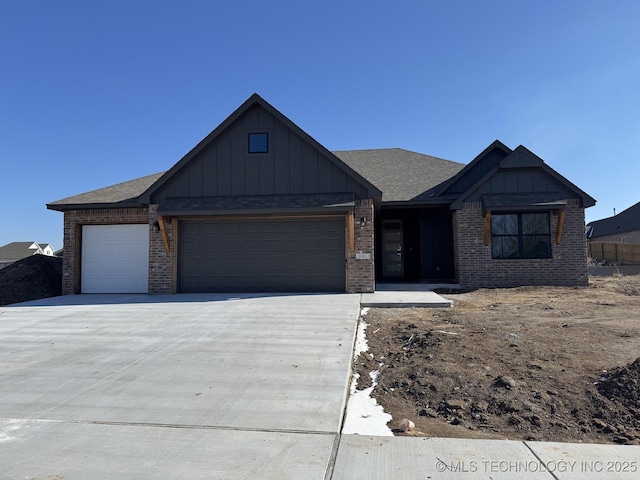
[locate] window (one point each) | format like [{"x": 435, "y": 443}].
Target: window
[
  {"x": 258, "y": 143},
  {"x": 520, "y": 235}
]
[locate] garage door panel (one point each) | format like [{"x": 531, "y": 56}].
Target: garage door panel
[
  {"x": 262, "y": 255},
  {"x": 115, "y": 258}
]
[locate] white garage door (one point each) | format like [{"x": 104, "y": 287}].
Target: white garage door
[{"x": 115, "y": 258}]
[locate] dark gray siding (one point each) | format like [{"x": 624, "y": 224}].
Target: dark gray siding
[
  {"x": 225, "y": 168},
  {"x": 520, "y": 181},
  {"x": 479, "y": 170},
  {"x": 262, "y": 255}
]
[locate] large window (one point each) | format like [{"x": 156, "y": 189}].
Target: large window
[{"x": 520, "y": 235}]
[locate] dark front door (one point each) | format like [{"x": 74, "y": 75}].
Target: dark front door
[
  {"x": 436, "y": 239},
  {"x": 392, "y": 248}
]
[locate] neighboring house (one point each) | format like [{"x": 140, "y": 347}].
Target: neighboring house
[
  {"x": 47, "y": 249},
  {"x": 14, "y": 251},
  {"x": 623, "y": 227},
  {"x": 259, "y": 205}
]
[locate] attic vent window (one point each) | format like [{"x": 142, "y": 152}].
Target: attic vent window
[{"x": 258, "y": 143}]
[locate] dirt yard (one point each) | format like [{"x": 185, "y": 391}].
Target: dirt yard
[{"x": 528, "y": 363}]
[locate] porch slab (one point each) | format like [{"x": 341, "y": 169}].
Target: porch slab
[{"x": 412, "y": 295}]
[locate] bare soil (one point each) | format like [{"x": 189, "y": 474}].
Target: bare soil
[
  {"x": 31, "y": 278},
  {"x": 527, "y": 363}
]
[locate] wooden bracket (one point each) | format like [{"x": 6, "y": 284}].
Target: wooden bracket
[
  {"x": 487, "y": 228},
  {"x": 351, "y": 232},
  {"x": 165, "y": 236},
  {"x": 560, "y": 225}
]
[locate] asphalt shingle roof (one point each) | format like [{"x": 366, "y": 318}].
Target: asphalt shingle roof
[
  {"x": 626, "y": 221},
  {"x": 400, "y": 174},
  {"x": 125, "y": 193},
  {"x": 15, "y": 251}
]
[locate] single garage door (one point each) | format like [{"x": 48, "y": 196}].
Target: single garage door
[
  {"x": 262, "y": 255},
  {"x": 115, "y": 259}
]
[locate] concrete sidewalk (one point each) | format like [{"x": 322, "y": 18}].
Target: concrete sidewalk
[
  {"x": 407, "y": 295},
  {"x": 379, "y": 458}
]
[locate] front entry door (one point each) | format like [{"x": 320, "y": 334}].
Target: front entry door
[{"x": 392, "y": 249}]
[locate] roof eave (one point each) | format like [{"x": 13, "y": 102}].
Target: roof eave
[
  {"x": 63, "y": 207},
  {"x": 587, "y": 200},
  {"x": 443, "y": 201}
]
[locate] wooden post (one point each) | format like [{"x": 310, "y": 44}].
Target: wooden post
[
  {"x": 165, "y": 236},
  {"x": 351, "y": 232},
  {"x": 487, "y": 228},
  {"x": 174, "y": 262},
  {"x": 560, "y": 225}
]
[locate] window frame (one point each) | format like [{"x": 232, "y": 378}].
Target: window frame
[
  {"x": 521, "y": 236},
  {"x": 266, "y": 143}
]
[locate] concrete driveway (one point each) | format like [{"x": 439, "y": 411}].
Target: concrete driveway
[{"x": 184, "y": 386}]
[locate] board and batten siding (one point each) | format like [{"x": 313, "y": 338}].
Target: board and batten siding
[
  {"x": 519, "y": 181},
  {"x": 292, "y": 165}
]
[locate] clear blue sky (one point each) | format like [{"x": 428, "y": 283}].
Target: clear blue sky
[{"x": 95, "y": 93}]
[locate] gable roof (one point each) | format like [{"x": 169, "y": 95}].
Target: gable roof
[
  {"x": 487, "y": 161},
  {"x": 626, "y": 221},
  {"x": 394, "y": 175},
  {"x": 520, "y": 158},
  {"x": 373, "y": 191},
  {"x": 527, "y": 158},
  {"x": 15, "y": 251},
  {"x": 400, "y": 174}
]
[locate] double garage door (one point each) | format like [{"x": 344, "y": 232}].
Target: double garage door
[{"x": 262, "y": 255}]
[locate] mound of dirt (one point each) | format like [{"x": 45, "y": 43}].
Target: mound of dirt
[
  {"x": 31, "y": 278},
  {"x": 622, "y": 385}
]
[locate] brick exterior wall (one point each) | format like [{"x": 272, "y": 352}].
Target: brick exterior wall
[
  {"x": 627, "y": 237},
  {"x": 360, "y": 273},
  {"x": 476, "y": 269},
  {"x": 73, "y": 221},
  {"x": 161, "y": 263},
  {"x": 361, "y": 277}
]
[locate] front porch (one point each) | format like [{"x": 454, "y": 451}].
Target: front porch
[{"x": 415, "y": 244}]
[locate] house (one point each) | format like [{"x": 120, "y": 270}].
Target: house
[
  {"x": 259, "y": 205},
  {"x": 623, "y": 227},
  {"x": 14, "y": 251}
]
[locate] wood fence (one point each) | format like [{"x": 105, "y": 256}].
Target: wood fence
[{"x": 615, "y": 252}]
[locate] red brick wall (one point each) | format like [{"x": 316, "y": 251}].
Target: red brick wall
[
  {"x": 476, "y": 269},
  {"x": 361, "y": 272},
  {"x": 73, "y": 221},
  {"x": 161, "y": 265}
]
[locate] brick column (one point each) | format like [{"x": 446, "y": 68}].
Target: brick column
[
  {"x": 161, "y": 265},
  {"x": 361, "y": 276}
]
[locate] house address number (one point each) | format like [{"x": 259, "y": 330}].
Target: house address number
[{"x": 363, "y": 256}]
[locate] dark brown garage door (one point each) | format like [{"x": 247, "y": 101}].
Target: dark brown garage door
[{"x": 262, "y": 255}]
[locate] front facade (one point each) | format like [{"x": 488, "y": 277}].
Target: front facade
[{"x": 260, "y": 206}]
